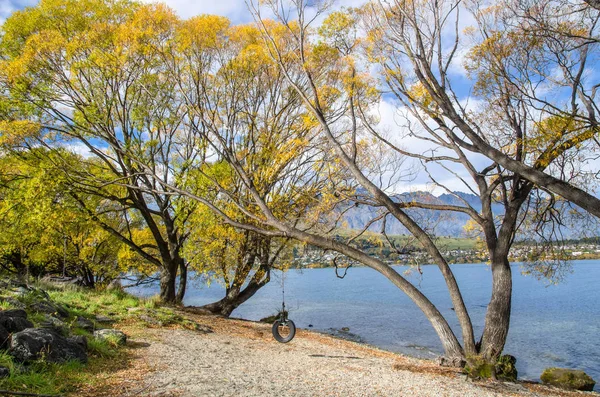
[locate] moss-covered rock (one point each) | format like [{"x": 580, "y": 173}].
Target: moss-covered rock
[
  {"x": 570, "y": 379},
  {"x": 478, "y": 367}
]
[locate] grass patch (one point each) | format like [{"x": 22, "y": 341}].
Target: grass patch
[
  {"x": 43, "y": 378},
  {"x": 105, "y": 355},
  {"x": 102, "y": 348},
  {"x": 6, "y": 361}
]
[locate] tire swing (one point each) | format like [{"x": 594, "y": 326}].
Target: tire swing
[{"x": 283, "y": 328}]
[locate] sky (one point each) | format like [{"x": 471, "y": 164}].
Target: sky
[{"x": 235, "y": 10}]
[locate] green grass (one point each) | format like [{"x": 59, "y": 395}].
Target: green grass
[
  {"x": 44, "y": 378},
  {"x": 104, "y": 355},
  {"x": 103, "y": 348}
]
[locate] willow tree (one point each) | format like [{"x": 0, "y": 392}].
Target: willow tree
[
  {"x": 255, "y": 140},
  {"x": 90, "y": 74},
  {"x": 241, "y": 261},
  {"x": 45, "y": 231}
]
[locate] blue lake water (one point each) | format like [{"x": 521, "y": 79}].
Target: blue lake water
[{"x": 551, "y": 325}]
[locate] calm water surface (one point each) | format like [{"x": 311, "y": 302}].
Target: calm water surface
[{"x": 556, "y": 325}]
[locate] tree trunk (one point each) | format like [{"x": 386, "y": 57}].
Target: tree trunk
[
  {"x": 497, "y": 319},
  {"x": 182, "y": 281},
  {"x": 168, "y": 276},
  {"x": 234, "y": 297}
]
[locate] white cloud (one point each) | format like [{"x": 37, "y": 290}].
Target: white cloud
[
  {"x": 236, "y": 10},
  {"x": 78, "y": 148}
]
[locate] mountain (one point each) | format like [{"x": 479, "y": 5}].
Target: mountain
[{"x": 444, "y": 223}]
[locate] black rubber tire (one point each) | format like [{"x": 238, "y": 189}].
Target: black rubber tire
[{"x": 279, "y": 338}]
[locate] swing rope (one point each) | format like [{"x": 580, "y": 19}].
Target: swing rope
[{"x": 283, "y": 290}]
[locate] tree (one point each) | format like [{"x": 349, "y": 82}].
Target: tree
[
  {"x": 416, "y": 62},
  {"x": 241, "y": 261},
  {"x": 251, "y": 126},
  {"x": 44, "y": 231},
  {"x": 518, "y": 57},
  {"x": 89, "y": 74}
]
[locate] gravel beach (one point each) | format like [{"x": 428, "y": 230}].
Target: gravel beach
[{"x": 240, "y": 358}]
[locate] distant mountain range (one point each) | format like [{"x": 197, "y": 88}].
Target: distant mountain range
[{"x": 444, "y": 223}]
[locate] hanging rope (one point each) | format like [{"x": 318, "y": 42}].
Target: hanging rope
[{"x": 283, "y": 290}]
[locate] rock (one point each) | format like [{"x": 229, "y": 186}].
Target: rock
[
  {"x": 80, "y": 340},
  {"x": 147, "y": 319},
  {"x": 42, "y": 343},
  {"x": 345, "y": 329},
  {"x": 85, "y": 324},
  {"x": 455, "y": 362},
  {"x": 22, "y": 291},
  {"x": 115, "y": 285},
  {"x": 56, "y": 324},
  {"x": 14, "y": 313},
  {"x": 103, "y": 319},
  {"x": 111, "y": 334},
  {"x": 13, "y": 302},
  {"x": 51, "y": 309},
  {"x": 4, "y": 337},
  {"x": 203, "y": 329},
  {"x": 4, "y": 372},
  {"x": 570, "y": 379},
  {"x": 14, "y": 320},
  {"x": 310, "y": 325}
]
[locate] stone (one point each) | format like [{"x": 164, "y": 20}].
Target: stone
[
  {"x": 4, "y": 337},
  {"x": 103, "y": 319},
  {"x": 569, "y": 379},
  {"x": 111, "y": 334},
  {"x": 80, "y": 340},
  {"x": 14, "y": 302},
  {"x": 47, "y": 344},
  {"x": 149, "y": 320},
  {"x": 4, "y": 372},
  {"x": 115, "y": 285},
  {"x": 51, "y": 309},
  {"x": 14, "y": 313},
  {"x": 14, "y": 320},
  {"x": 56, "y": 324},
  {"x": 85, "y": 324},
  {"x": 454, "y": 362}
]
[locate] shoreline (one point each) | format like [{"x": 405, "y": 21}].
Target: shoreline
[{"x": 240, "y": 357}]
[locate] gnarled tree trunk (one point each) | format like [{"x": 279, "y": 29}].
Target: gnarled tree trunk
[
  {"x": 168, "y": 276},
  {"x": 235, "y": 297}
]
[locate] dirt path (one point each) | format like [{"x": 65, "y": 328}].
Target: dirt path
[{"x": 241, "y": 359}]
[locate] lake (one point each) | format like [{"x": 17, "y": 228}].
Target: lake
[{"x": 551, "y": 325}]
